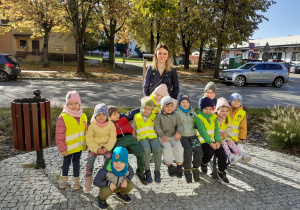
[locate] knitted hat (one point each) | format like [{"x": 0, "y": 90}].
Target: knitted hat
[
  {"x": 147, "y": 102},
  {"x": 221, "y": 102},
  {"x": 100, "y": 108},
  {"x": 236, "y": 96},
  {"x": 210, "y": 86},
  {"x": 73, "y": 96},
  {"x": 166, "y": 100},
  {"x": 111, "y": 110},
  {"x": 184, "y": 97},
  {"x": 206, "y": 102},
  {"x": 161, "y": 89},
  {"x": 120, "y": 154}
]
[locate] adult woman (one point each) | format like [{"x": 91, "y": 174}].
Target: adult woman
[{"x": 160, "y": 72}]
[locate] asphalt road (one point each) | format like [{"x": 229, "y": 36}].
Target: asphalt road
[{"x": 129, "y": 94}]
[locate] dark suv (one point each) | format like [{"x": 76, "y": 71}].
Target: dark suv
[{"x": 9, "y": 67}]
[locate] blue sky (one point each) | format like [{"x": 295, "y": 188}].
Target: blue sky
[{"x": 283, "y": 20}]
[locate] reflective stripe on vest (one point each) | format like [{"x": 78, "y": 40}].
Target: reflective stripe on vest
[
  {"x": 235, "y": 125},
  {"x": 210, "y": 128},
  {"x": 156, "y": 108},
  {"x": 145, "y": 130},
  {"x": 75, "y": 133}
]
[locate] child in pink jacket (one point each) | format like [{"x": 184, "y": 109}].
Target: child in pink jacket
[{"x": 70, "y": 138}]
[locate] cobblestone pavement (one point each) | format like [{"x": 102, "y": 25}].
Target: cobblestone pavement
[{"x": 270, "y": 181}]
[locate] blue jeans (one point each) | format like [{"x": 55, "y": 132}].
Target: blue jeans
[{"x": 75, "y": 158}]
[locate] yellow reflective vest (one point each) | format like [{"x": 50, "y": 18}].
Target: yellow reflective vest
[
  {"x": 156, "y": 108},
  {"x": 235, "y": 125},
  {"x": 210, "y": 128},
  {"x": 145, "y": 129},
  {"x": 75, "y": 133}
]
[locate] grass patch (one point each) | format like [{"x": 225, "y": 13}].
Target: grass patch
[{"x": 28, "y": 165}]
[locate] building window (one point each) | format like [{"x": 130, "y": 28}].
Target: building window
[
  {"x": 296, "y": 56},
  {"x": 276, "y": 55},
  {"x": 22, "y": 43},
  {"x": 4, "y": 22}
]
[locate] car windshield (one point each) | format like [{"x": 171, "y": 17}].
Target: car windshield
[{"x": 247, "y": 66}]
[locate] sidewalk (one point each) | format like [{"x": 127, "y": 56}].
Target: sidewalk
[{"x": 269, "y": 181}]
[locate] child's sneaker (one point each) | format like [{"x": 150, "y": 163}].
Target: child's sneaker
[
  {"x": 125, "y": 198},
  {"x": 233, "y": 159},
  {"x": 245, "y": 158},
  {"x": 148, "y": 176},
  {"x": 142, "y": 178},
  {"x": 196, "y": 174},
  {"x": 188, "y": 175},
  {"x": 179, "y": 171},
  {"x": 157, "y": 177},
  {"x": 222, "y": 176},
  {"x": 102, "y": 204},
  {"x": 172, "y": 170},
  {"x": 204, "y": 168}
]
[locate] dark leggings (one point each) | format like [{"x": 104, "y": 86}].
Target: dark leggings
[
  {"x": 75, "y": 158},
  {"x": 209, "y": 153}
]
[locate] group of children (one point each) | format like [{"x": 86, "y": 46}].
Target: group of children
[{"x": 158, "y": 127}]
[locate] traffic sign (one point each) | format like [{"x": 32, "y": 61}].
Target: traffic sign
[
  {"x": 250, "y": 54},
  {"x": 251, "y": 46}
]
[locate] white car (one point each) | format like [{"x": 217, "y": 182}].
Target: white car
[{"x": 105, "y": 57}]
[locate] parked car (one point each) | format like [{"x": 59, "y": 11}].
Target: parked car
[
  {"x": 256, "y": 72},
  {"x": 9, "y": 67},
  {"x": 105, "y": 57},
  {"x": 295, "y": 69}
]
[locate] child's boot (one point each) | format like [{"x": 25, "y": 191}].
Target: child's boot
[
  {"x": 223, "y": 177},
  {"x": 245, "y": 158},
  {"x": 76, "y": 184},
  {"x": 179, "y": 171},
  {"x": 63, "y": 182},
  {"x": 196, "y": 174},
  {"x": 88, "y": 184},
  {"x": 172, "y": 170},
  {"x": 157, "y": 177},
  {"x": 102, "y": 204},
  {"x": 188, "y": 175},
  {"x": 233, "y": 159},
  {"x": 204, "y": 168},
  {"x": 148, "y": 176}
]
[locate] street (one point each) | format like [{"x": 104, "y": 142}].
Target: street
[{"x": 129, "y": 94}]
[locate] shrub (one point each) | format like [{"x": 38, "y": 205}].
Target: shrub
[{"x": 282, "y": 127}]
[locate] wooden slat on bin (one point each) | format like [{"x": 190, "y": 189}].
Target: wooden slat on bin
[
  {"x": 48, "y": 122},
  {"x": 19, "y": 117},
  {"x": 27, "y": 130},
  {"x": 14, "y": 123},
  {"x": 35, "y": 126},
  {"x": 43, "y": 125}
]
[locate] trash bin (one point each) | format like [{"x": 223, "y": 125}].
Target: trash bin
[
  {"x": 235, "y": 62},
  {"x": 31, "y": 125}
]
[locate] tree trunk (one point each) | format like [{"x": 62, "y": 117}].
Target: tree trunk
[
  {"x": 80, "y": 55},
  {"x": 45, "y": 49},
  {"x": 111, "y": 48},
  {"x": 200, "y": 67},
  {"x": 219, "y": 51},
  {"x": 151, "y": 38},
  {"x": 186, "y": 48}
]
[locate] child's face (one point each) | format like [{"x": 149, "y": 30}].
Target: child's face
[
  {"x": 169, "y": 108},
  {"x": 236, "y": 103},
  {"x": 119, "y": 165},
  {"x": 157, "y": 97},
  {"x": 208, "y": 110},
  {"x": 185, "y": 104},
  {"x": 73, "y": 105},
  {"x": 101, "y": 118},
  {"x": 210, "y": 94},
  {"x": 147, "y": 110},
  {"x": 223, "y": 111},
  {"x": 115, "y": 116}
]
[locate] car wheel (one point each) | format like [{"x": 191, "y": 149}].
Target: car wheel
[
  {"x": 240, "y": 81},
  {"x": 3, "y": 76},
  {"x": 278, "y": 82}
]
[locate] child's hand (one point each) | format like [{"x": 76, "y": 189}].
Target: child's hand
[
  {"x": 218, "y": 145},
  {"x": 223, "y": 134},
  {"x": 124, "y": 183},
  {"x": 213, "y": 146},
  {"x": 240, "y": 141},
  {"x": 99, "y": 151},
  {"x": 164, "y": 139},
  {"x": 64, "y": 153},
  {"x": 177, "y": 136},
  {"x": 104, "y": 150},
  {"x": 112, "y": 186}
]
